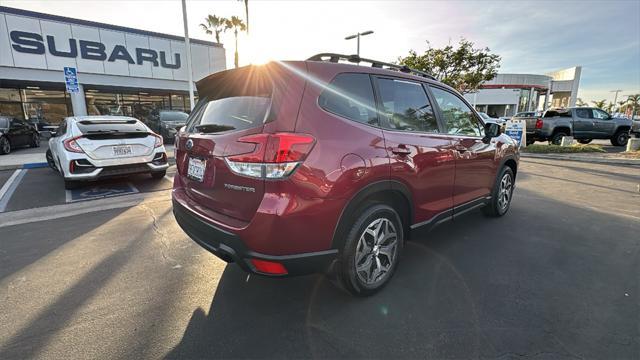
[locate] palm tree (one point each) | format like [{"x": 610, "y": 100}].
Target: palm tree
[
  {"x": 634, "y": 101},
  {"x": 580, "y": 103},
  {"x": 236, "y": 24},
  {"x": 246, "y": 13},
  {"x": 609, "y": 107},
  {"x": 600, "y": 104},
  {"x": 214, "y": 25}
]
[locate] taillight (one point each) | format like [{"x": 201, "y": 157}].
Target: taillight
[
  {"x": 539, "y": 124},
  {"x": 276, "y": 155},
  {"x": 72, "y": 145},
  {"x": 158, "y": 142}
]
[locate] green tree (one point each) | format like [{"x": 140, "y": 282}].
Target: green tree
[
  {"x": 463, "y": 67},
  {"x": 214, "y": 25},
  {"x": 609, "y": 107},
  {"x": 580, "y": 103},
  {"x": 236, "y": 24},
  {"x": 634, "y": 101},
  {"x": 600, "y": 104}
]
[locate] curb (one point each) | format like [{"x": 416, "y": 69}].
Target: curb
[
  {"x": 582, "y": 159},
  {"x": 171, "y": 161}
]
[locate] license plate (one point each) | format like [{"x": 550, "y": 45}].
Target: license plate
[
  {"x": 196, "y": 169},
  {"x": 122, "y": 150}
]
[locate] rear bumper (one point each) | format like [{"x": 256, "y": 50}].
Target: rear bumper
[
  {"x": 230, "y": 247},
  {"x": 117, "y": 170}
]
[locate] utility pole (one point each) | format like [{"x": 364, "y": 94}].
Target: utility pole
[
  {"x": 357, "y": 36},
  {"x": 188, "y": 51}
]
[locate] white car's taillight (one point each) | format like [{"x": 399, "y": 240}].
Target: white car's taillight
[
  {"x": 72, "y": 145},
  {"x": 158, "y": 142},
  {"x": 276, "y": 155}
]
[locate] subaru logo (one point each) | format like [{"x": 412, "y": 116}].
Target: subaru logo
[{"x": 189, "y": 144}]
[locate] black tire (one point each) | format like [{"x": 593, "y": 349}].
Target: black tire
[
  {"x": 50, "y": 162},
  {"x": 530, "y": 141},
  {"x": 556, "y": 139},
  {"x": 496, "y": 206},
  {"x": 158, "y": 174},
  {"x": 5, "y": 145},
  {"x": 620, "y": 138},
  {"x": 352, "y": 279},
  {"x": 585, "y": 141},
  {"x": 71, "y": 185},
  {"x": 35, "y": 140}
]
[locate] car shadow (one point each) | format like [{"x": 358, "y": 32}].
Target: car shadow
[{"x": 476, "y": 287}]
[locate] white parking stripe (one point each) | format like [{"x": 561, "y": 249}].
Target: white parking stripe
[{"x": 9, "y": 187}]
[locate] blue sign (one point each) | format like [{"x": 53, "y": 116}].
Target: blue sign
[
  {"x": 516, "y": 129},
  {"x": 71, "y": 79}
]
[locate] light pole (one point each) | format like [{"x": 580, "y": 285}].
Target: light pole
[
  {"x": 615, "y": 99},
  {"x": 357, "y": 36},
  {"x": 188, "y": 51}
]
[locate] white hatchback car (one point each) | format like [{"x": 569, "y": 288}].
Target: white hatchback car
[{"x": 94, "y": 147}]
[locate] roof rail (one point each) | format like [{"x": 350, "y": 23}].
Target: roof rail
[{"x": 334, "y": 58}]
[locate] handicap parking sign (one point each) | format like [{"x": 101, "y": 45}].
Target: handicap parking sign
[{"x": 71, "y": 79}]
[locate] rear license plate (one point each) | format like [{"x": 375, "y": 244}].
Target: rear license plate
[
  {"x": 122, "y": 150},
  {"x": 196, "y": 169}
]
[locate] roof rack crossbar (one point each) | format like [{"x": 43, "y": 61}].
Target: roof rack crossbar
[{"x": 334, "y": 58}]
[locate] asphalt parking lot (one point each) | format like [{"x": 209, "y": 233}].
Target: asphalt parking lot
[{"x": 558, "y": 277}]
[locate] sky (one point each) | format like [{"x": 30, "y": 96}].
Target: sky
[{"x": 533, "y": 37}]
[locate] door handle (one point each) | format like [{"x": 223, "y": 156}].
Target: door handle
[{"x": 401, "y": 150}]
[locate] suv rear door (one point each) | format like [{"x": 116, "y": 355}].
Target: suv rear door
[
  {"x": 234, "y": 104},
  {"x": 421, "y": 156},
  {"x": 475, "y": 161}
]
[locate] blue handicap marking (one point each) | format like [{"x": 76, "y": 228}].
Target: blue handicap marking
[{"x": 98, "y": 191}]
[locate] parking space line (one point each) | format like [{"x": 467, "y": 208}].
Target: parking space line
[
  {"x": 169, "y": 178},
  {"x": 10, "y": 187}
]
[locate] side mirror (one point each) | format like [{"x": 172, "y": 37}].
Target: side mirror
[{"x": 491, "y": 130}]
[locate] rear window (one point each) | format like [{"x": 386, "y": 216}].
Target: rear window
[
  {"x": 173, "y": 116},
  {"x": 552, "y": 113},
  {"x": 102, "y": 126},
  {"x": 230, "y": 113},
  {"x": 232, "y": 100}
]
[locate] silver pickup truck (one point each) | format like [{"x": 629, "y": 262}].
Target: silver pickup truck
[{"x": 583, "y": 123}]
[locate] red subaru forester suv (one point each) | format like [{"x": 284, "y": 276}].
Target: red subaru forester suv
[{"x": 323, "y": 165}]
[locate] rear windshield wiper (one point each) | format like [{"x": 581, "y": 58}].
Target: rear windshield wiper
[{"x": 213, "y": 128}]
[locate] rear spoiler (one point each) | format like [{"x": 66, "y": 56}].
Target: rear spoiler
[{"x": 102, "y": 122}]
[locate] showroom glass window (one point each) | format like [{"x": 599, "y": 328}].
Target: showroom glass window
[
  {"x": 458, "y": 117},
  {"x": 350, "y": 96},
  {"x": 11, "y": 103},
  {"x": 407, "y": 106},
  {"x": 46, "y": 106}
]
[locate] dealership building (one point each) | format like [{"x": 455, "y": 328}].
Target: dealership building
[
  {"x": 508, "y": 94},
  {"x": 120, "y": 70}
]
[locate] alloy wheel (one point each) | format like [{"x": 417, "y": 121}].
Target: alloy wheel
[
  {"x": 376, "y": 251},
  {"x": 504, "y": 193},
  {"x": 623, "y": 138},
  {"x": 5, "y": 145}
]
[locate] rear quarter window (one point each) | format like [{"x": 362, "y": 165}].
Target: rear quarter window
[{"x": 350, "y": 96}]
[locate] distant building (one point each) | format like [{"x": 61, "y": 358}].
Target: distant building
[{"x": 508, "y": 94}]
